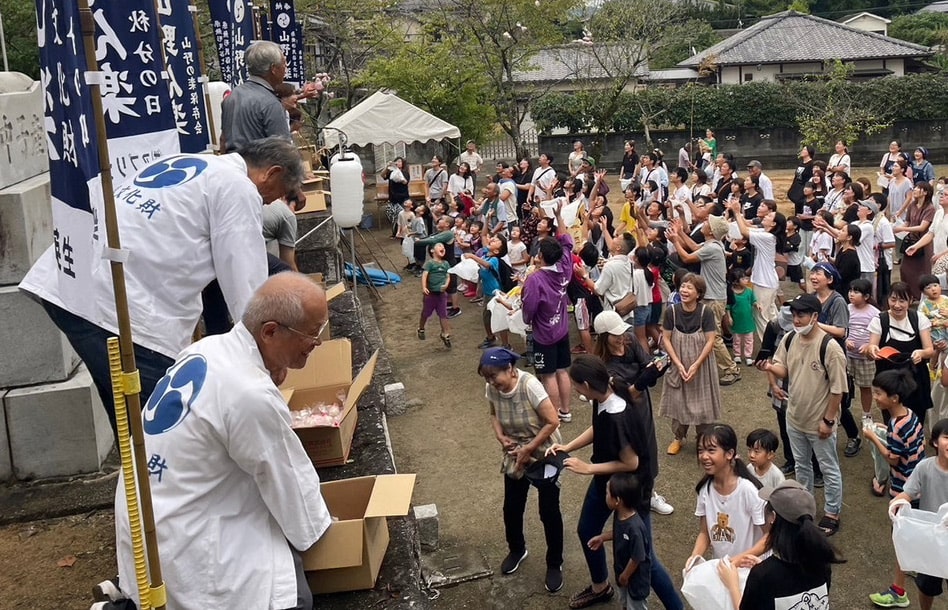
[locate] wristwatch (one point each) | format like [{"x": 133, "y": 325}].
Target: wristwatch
[{"x": 829, "y": 422}]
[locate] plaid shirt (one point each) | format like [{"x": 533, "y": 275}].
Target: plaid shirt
[{"x": 518, "y": 414}]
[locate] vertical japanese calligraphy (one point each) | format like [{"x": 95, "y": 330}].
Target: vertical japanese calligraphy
[
  {"x": 184, "y": 74},
  {"x": 71, "y": 143},
  {"x": 284, "y": 32},
  {"x": 233, "y": 33}
]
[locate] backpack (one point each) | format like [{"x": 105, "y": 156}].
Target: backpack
[
  {"x": 505, "y": 275},
  {"x": 788, "y": 339}
]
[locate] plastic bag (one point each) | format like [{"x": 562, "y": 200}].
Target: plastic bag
[
  {"x": 920, "y": 539},
  {"x": 705, "y": 590},
  {"x": 408, "y": 248},
  {"x": 467, "y": 270}
]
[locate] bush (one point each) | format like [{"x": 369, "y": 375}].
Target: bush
[{"x": 757, "y": 105}]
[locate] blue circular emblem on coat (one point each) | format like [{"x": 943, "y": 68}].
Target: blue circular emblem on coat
[
  {"x": 173, "y": 171},
  {"x": 171, "y": 401}
]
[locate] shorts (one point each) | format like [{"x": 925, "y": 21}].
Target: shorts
[
  {"x": 641, "y": 315},
  {"x": 581, "y": 312},
  {"x": 547, "y": 359},
  {"x": 655, "y": 316},
  {"x": 795, "y": 273},
  {"x": 862, "y": 371},
  {"x": 434, "y": 302},
  {"x": 929, "y": 585},
  {"x": 627, "y": 603}
]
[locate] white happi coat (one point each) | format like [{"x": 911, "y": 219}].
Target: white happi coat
[
  {"x": 203, "y": 220},
  {"x": 230, "y": 482}
]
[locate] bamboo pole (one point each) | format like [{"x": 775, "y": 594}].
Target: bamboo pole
[{"x": 132, "y": 382}]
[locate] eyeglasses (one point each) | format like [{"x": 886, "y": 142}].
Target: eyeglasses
[{"x": 315, "y": 337}]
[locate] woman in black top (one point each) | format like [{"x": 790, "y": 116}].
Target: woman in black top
[
  {"x": 804, "y": 174},
  {"x": 613, "y": 438},
  {"x": 847, "y": 260},
  {"x": 798, "y": 573}
]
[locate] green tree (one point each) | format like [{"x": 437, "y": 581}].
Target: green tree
[
  {"x": 500, "y": 38},
  {"x": 838, "y": 113},
  {"x": 929, "y": 29},
  {"x": 434, "y": 76},
  {"x": 19, "y": 27}
]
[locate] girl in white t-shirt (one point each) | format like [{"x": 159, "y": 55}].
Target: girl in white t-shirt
[{"x": 730, "y": 512}]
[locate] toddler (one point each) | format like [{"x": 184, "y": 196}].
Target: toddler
[
  {"x": 742, "y": 316},
  {"x": 630, "y": 541},
  {"x": 935, "y": 307},
  {"x": 434, "y": 283},
  {"x": 761, "y": 448}
]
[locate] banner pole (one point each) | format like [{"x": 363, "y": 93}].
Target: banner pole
[
  {"x": 207, "y": 95},
  {"x": 131, "y": 379}
]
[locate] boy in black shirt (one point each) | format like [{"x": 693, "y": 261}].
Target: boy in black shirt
[{"x": 630, "y": 541}]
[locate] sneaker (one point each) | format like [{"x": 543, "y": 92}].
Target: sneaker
[
  {"x": 730, "y": 379},
  {"x": 853, "y": 447},
  {"x": 564, "y": 417},
  {"x": 108, "y": 591},
  {"x": 512, "y": 561},
  {"x": 749, "y": 361},
  {"x": 889, "y": 599},
  {"x": 737, "y": 359},
  {"x": 486, "y": 343},
  {"x": 446, "y": 339},
  {"x": 660, "y": 506},
  {"x": 554, "y": 579},
  {"x": 674, "y": 447},
  {"x": 818, "y": 481},
  {"x": 421, "y": 334},
  {"x": 477, "y": 300},
  {"x": 587, "y": 597},
  {"x": 454, "y": 312},
  {"x": 788, "y": 469}
]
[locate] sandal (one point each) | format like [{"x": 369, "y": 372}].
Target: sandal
[
  {"x": 446, "y": 339},
  {"x": 878, "y": 490},
  {"x": 829, "y": 525}
]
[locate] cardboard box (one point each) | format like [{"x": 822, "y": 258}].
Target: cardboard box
[
  {"x": 328, "y": 370},
  {"x": 349, "y": 555},
  {"x": 315, "y": 197},
  {"x": 331, "y": 293}
]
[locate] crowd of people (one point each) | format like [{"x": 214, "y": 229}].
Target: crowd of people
[{"x": 696, "y": 262}]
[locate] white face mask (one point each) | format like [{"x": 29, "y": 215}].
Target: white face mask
[{"x": 805, "y": 330}]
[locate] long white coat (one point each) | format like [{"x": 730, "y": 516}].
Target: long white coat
[{"x": 230, "y": 481}]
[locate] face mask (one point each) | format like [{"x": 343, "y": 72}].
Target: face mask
[{"x": 805, "y": 330}]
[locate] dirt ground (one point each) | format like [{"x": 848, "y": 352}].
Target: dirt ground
[{"x": 447, "y": 440}]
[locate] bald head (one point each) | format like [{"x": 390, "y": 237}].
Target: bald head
[{"x": 288, "y": 298}]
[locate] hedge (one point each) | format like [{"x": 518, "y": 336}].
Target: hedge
[{"x": 757, "y": 105}]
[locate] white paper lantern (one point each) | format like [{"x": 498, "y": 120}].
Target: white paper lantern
[{"x": 345, "y": 184}]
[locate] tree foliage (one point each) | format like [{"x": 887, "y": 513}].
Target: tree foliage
[
  {"x": 758, "y": 105},
  {"x": 19, "y": 27}
]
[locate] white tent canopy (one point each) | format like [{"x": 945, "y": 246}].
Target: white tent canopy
[{"x": 385, "y": 118}]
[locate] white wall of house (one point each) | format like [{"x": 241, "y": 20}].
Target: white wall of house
[
  {"x": 733, "y": 75},
  {"x": 869, "y": 23}
]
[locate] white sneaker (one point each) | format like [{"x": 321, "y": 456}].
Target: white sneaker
[
  {"x": 749, "y": 361},
  {"x": 660, "y": 506},
  {"x": 565, "y": 417},
  {"x": 737, "y": 359}
]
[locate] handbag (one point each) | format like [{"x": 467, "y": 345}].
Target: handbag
[
  {"x": 908, "y": 241},
  {"x": 626, "y": 304}
]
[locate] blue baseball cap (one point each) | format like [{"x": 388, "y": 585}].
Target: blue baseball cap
[{"x": 498, "y": 356}]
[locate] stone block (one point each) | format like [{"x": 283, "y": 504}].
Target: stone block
[
  {"x": 22, "y": 134},
  {"x": 426, "y": 516},
  {"x": 26, "y": 226},
  {"x": 6, "y": 466},
  {"x": 57, "y": 429},
  {"x": 395, "y": 397},
  {"x": 325, "y": 261},
  {"x": 32, "y": 350}
]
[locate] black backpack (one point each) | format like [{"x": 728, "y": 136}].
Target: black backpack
[
  {"x": 505, "y": 276},
  {"x": 787, "y": 340}
]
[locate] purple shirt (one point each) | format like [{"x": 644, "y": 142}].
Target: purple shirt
[{"x": 544, "y": 297}]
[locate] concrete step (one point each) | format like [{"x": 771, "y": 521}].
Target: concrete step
[
  {"x": 32, "y": 350},
  {"x": 26, "y": 226}
]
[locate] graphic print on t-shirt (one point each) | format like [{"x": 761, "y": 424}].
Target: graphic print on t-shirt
[
  {"x": 814, "y": 599},
  {"x": 722, "y": 531}
]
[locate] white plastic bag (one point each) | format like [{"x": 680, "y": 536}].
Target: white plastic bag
[
  {"x": 408, "y": 247},
  {"x": 920, "y": 539},
  {"x": 705, "y": 590},
  {"x": 467, "y": 270}
]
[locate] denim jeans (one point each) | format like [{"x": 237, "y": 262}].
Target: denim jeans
[
  {"x": 802, "y": 443},
  {"x": 515, "y": 502},
  {"x": 89, "y": 341},
  {"x": 592, "y": 520}
]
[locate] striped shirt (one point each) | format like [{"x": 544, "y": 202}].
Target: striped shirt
[{"x": 906, "y": 439}]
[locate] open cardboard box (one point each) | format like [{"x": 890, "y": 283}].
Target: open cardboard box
[
  {"x": 328, "y": 370},
  {"x": 349, "y": 555},
  {"x": 331, "y": 293}
]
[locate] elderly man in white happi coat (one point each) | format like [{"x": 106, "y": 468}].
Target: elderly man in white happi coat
[{"x": 235, "y": 496}]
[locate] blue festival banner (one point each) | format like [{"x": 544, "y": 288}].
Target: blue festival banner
[
  {"x": 139, "y": 117},
  {"x": 186, "y": 83},
  {"x": 284, "y": 32},
  {"x": 300, "y": 54},
  {"x": 72, "y": 147},
  {"x": 233, "y": 31}
]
